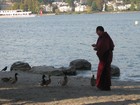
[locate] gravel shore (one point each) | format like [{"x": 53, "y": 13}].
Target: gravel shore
[{"x": 78, "y": 91}]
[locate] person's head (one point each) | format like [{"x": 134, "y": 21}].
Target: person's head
[{"x": 99, "y": 30}]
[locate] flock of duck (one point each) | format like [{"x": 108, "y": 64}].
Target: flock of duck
[{"x": 44, "y": 82}]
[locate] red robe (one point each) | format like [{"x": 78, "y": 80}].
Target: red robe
[{"x": 105, "y": 47}]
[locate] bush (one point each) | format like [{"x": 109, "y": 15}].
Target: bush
[
  {"x": 57, "y": 11},
  {"x": 89, "y": 10}
]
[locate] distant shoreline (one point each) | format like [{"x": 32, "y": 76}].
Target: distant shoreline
[{"x": 76, "y": 13}]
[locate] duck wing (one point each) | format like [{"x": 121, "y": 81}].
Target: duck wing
[
  {"x": 47, "y": 82},
  {"x": 6, "y": 79},
  {"x": 13, "y": 81}
]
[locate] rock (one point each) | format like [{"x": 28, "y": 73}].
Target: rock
[
  {"x": 81, "y": 64},
  {"x": 20, "y": 66},
  {"x": 45, "y": 70},
  {"x": 68, "y": 70},
  {"x": 53, "y": 71},
  {"x": 115, "y": 71}
]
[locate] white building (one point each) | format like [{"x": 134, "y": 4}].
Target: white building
[
  {"x": 124, "y": 7},
  {"x": 80, "y": 8},
  {"x": 119, "y": 1},
  {"x": 113, "y": 4},
  {"x": 118, "y": 5},
  {"x": 65, "y": 8},
  {"x": 49, "y": 8}
]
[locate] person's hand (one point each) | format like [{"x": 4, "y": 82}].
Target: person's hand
[
  {"x": 95, "y": 48},
  {"x": 93, "y": 45}
]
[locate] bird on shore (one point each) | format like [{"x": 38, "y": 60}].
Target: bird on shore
[
  {"x": 48, "y": 81},
  {"x": 4, "y": 69},
  {"x": 6, "y": 79},
  {"x": 10, "y": 79},
  {"x": 64, "y": 81},
  {"x": 45, "y": 82},
  {"x": 93, "y": 81},
  {"x": 15, "y": 79}
]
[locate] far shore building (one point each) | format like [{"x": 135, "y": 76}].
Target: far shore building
[
  {"x": 118, "y": 5},
  {"x": 119, "y": 1},
  {"x": 124, "y": 7},
  {"x": 81, "y": 8},
  {"x": 63, "y": 6},
  {"x": 65, "y": 9},
  {"x": 49, "y": 8}
]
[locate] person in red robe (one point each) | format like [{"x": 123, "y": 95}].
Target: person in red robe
[{"x": 104, "y": 48}]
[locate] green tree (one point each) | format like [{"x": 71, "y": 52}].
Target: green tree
[
  {"x": 89, "y": 9},
  {"x": 135, "y": 5},
  {"x": 16, "y": 6},
  {"x": 132, "y": 7},
  {"x": 89, "y": 2},
  {"x": 22, "y": 6},
  {"x": 31, "y": 5},
  {"x": 99, "y": 4},
  {"x": 94, "y": 6}
]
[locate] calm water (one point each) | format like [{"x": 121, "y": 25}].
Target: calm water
[{"x": 57, "y": 40}]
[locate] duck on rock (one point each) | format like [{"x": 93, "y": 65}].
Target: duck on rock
[{"x": 4, "y": 69}]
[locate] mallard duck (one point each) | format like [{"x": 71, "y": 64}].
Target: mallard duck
[
  {"x": 15, "y": 79},
  {"x": 48, "y": 81},
  {"x": 93, "y": 81},
  {"x": 65, "y": 81},
  {"x": 45, "y": 82},
  {"x": 6, "y": 79},
  {"x": 10, "y": 79},
  {"x": 4, "y": 69}
]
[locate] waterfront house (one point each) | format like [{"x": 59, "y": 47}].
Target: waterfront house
[{"x": 80, "y": 8}]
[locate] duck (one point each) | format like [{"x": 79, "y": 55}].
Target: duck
[
  {"x": 48, "y": 81},
  {"x": 4, "y": 69},
  {"x": 93, "y": 81},
  {"x": 15, "y": 79},
  {"x": 10, "y": 79},
  {"x": 64, "y": 81},
  {"x": 6, "y": 79},
  {"x": 45, "y": 82}
]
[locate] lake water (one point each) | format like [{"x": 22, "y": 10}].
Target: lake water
[{"x": 57, "y": 40}]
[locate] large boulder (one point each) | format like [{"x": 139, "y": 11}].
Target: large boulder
[
  {"x": 80, "y": 64},
  {"x": 50, "y": 70},
  {"x": 20, "y": 66},
  {"x": 115, "y": 71}
]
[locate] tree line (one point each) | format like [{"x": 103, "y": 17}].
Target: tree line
[
  {"x": 97, "y": 5},
  {"x": 92, "y": 5}
]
